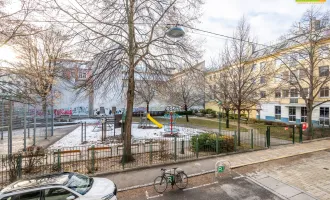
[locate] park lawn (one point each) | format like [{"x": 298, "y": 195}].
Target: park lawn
[
  {"x": 196, "y": 122},
  {"x": 276, "y": 131}
]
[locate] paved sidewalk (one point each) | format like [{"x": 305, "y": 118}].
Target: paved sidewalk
[{"x": 146, "y": 176}]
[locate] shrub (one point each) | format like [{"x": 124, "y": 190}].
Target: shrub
[
  {"x": 164, "y": 152},
  {"x": 207, "y": 142},
  {"x": 184, "y": 112},
  {"x": 203, "y": 111}
]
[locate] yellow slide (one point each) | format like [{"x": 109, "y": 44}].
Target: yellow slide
[{"x": 154, "y": 121}]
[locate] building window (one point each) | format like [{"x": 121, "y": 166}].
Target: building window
[
  {"x": 278, "y": 112},
  {"x": 278, "y": 62},
  {"x": 324, "y": 71},
  {"x": 324, "y": 92},
  {"x": 278, "y": 77},
  {"x": 262, "y": 80},
  {"x": 305, "y": 91},
  {"x": 285, "y": 76},
  {"x": 294, "y": 76},
  {"x": 262, "y": 66},
  {"x": 324, "y": 116},
  {"x": 263, "y": 94},
  {"x": 302, "y": 74},
  {"x": 303, "y": 114},
  {"x": 254, "y": 67},
  {"x": 292, "y": 114},
  {"x": 293, "y": 92},
  {"x": 82, "y": 74},
  {"x": 285, "y": 93},
  {"x": 277, "y": 94}
]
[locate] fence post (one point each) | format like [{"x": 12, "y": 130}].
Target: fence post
[
  {"x": 251, "y": 138},
  {"x": 93, "y": 159},
  {"x": 2, "y": 118},
  {"x": 235, "y": 142},
  {"x": 24, "y": 149},
  {"x": 59, "y": 159},
  {"x": 124, "y": 156},
  {"x": 34, "y": 125},
  {"x": 300, "y": 134},
  {"x": 268, "y": 136},
  {"x": 175, "y": 148},
  {"x": 293, "y": 130},
  {"x": 150, "y": 152},
  {"x": 19, "y": 166},
  {"x": 10, "y": 127},
  {"x": 82, "y": 132},
  {"x": 217, "y": 143},
  {"x": 182, "y": 147},
  {"x": 85, "y": 131},
  {"x": 196, "y": 148}
]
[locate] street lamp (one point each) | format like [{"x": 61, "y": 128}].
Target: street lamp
[{"x": 175, "y": 32}]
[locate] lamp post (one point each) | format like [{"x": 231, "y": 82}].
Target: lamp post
[
  {"x": 175, "y": 32},
  {"x": 219, "y": 133}
]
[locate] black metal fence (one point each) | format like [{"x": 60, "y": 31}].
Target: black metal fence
[{"x": 106, "y": 158}]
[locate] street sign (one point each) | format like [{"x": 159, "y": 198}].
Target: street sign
[
  {"x": 221, "y": 169},
  {"x": 170, "y": 179},
  {"x": 219, "y": 102}
]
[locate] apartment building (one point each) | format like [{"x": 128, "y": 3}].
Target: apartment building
[{"x": 281, "y": 98}]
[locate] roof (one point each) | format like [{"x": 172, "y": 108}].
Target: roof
[{"x": 41, "y": 181}]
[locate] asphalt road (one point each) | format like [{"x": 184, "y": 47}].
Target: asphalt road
[{"x": 240, "y": 189}]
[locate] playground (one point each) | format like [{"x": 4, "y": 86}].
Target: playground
[{"x": 94, "y": 132}]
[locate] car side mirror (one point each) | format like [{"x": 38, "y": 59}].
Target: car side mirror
[{"x": 70, "y": 197}]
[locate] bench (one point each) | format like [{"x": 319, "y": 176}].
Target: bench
[{"x": 100, "y": 149}]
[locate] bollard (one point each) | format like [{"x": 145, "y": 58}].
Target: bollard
[
  {"x": 251, "y": 138},
  {"x": 182, "y": 147}
]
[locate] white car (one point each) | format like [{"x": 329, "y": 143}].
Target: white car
[{"x": 61, "y": 186}]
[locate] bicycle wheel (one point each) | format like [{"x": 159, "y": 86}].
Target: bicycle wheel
[
  {"x": 160, "y": 184},
  {"x": 181, "y": 180}
]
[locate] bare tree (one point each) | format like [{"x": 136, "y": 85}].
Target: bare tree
[
  {"x": 219, "y": 90},
  {"x": 13, "y": 21},
  {"x": 246, "y": 84},
  {"x": 186, "y": 89},
  {"x": 305, "y": 68},
  {"x": 145, "y": 91},
  {"x": 127, "y": 34},
  {"x": 37, "y": 64}
]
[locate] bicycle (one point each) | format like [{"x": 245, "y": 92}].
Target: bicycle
[{"x": 180, "y": 179}]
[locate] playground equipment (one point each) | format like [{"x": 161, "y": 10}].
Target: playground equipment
[
  {"x": 144, "y": 123},
  {"x": 170, "y": 127}
]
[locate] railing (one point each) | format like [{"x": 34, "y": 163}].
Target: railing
[{"x": 107, "y": 158}]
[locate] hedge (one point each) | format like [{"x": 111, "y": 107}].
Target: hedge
[
  {"x": 190, "y": 112},
  {"x": 207, "y": 142}
]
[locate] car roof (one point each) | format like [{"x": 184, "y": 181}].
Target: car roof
[{"x": 41, "y": 181}]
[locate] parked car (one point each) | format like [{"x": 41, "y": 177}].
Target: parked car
[{"x": 61, "y": 186}]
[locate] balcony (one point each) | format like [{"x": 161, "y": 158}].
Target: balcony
[{"x": 293, "y": 100}]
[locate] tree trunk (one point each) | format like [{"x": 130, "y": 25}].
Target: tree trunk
[
  {"x": 128, "y": 157},
  {"x": 186, "y": 109},
  {"x": 239, "y": 127},
  {"x": 310, "y": 133},
  {"x": 44, "y": 110},
  {"x": 147, "y": 107},
  {"x": 227, "y": 118}
]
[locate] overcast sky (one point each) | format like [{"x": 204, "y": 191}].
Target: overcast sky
[{"x": 269, "y": 19}]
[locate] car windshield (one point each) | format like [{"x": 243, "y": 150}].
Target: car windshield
[{"x": 80, "y": 183}]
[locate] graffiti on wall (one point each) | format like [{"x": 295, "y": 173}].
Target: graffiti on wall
[{"x": 79, "y": 110}]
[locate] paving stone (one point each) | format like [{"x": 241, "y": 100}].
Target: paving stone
[
  {"x": 302, "y": 196},
  {"x": 287, "y": 191}
]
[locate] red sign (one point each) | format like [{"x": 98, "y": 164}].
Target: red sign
[
  {"x": 286, "y": 128},
  {"x": 304, "y": 126}
]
